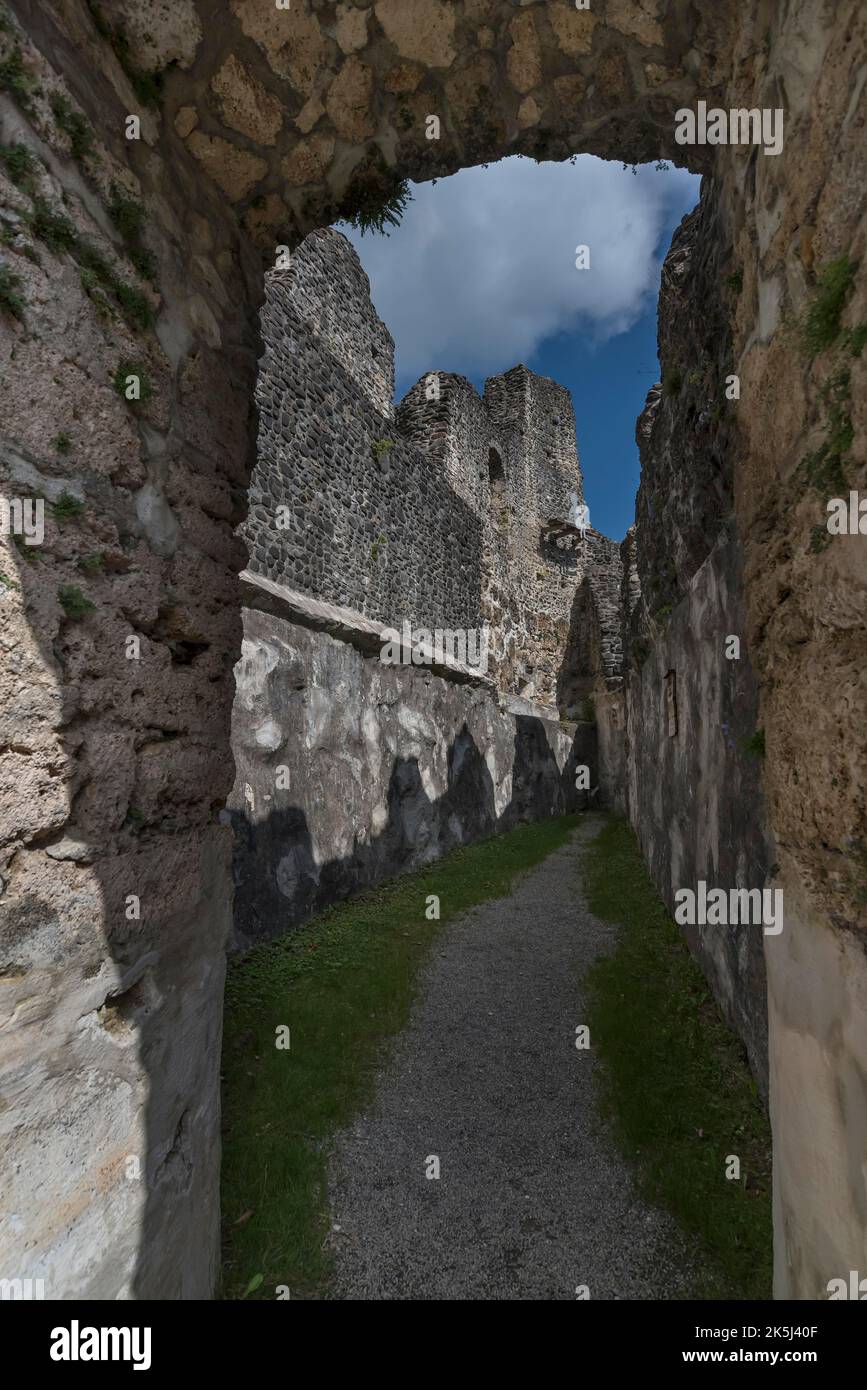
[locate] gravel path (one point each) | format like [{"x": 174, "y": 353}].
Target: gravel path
[{"x": 532, "y": 1199}]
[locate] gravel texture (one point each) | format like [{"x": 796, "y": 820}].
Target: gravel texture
[{"x": 532, "y": 1200}]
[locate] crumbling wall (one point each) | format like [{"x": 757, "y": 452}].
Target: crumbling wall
[
  {"x": 397, "y": 513},
  {"x": 272, "y": 122}
]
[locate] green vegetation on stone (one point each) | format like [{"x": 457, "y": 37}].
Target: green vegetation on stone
[
  {"x": 343, "y": 984},
  {"x": 124, "y": 372},
  {"x": 376, "y": 197},
  {"x": 74, "y": 603},
  {"x": 20, "y": 165},
  {"x": 74, "y": 125},
  {"x": 675, "y": 1082},
  {"x": 10, "y": 300},
  {"x": 67, "y": 507},
  {"x": 15, "y": 79},
  {"x": 821, "y": 325},
  {"x": 52, "y": 228}
]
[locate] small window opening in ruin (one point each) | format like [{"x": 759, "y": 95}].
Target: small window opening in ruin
[
  {"x": 671, "y": 703},
  {"x": 496, "y": 473}
]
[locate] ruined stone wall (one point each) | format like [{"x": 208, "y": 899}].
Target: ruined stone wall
[
  {"x": 694, "y": 796},
  {"x": 265, "y": 124},
  {"x": 404, "y": 515}
]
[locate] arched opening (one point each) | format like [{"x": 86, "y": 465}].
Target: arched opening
[{"x": 249, "y": 140}]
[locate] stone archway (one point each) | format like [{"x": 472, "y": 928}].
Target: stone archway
[{"x": 258, "y": 124}]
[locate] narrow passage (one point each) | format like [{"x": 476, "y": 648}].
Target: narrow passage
[{"x": 532, "y": 1199}]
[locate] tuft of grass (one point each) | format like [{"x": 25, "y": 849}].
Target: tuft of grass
[
  {"x": 74, "y": 603},
  {"x": 67, "y": 507},
  {"x": 821, "y": 326},
  {"x": 376, "y": 197},
  {"x": 15, "y": 79},
  {"x": 825, "y": 467},
  {"x": 92, "y": 564},
  {"x": 20, "y": 165},
  {"x": 127, "y": 214},
  {"x": 675, "y": 1082},
  {"x": 135, "y": 305},
  {"x": 74, "y": 125},
  {"x": 128, "y": 369},
  {"x": 380, "y": 447},
  {"x": 10, "y": 300},
  {"x": 63, "y": 442},
  {"x": 343, "y": 984},
  {"x": 53, "y": 228},
  {"x": 735, "y": 281}
]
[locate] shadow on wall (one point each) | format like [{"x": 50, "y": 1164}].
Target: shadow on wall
[{"x": 279, "y": 883}]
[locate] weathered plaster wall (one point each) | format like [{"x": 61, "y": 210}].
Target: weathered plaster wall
[{"x": 383, "y": 769}]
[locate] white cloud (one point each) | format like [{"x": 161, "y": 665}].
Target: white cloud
[{"x": 482, "y": 268}]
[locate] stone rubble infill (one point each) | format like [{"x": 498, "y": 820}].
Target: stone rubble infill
[{"x": 533, "y": 1200}]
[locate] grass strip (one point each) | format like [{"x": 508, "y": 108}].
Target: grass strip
[
  {"x": 343, "y": 985},
  {"x": 676, "y": 1086}
]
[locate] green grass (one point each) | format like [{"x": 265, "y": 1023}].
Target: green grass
[
  {"x": 74, "y": 125},
  {"x": 74, "y": 603},
  {"x": 676, "y": 1086},
  {"x": 377, "y": 196},
  {"x": 127, "y": 369},
  {"x": 821, "y": 326},
  {"x": 343, "y": 984},
  {"x": 67, "y": 507},
  {"x": 15, "y": 79},
  {"x": 20, "y": 166}
]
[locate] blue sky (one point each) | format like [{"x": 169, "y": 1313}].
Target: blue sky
[{"x": 481, "y": 275}]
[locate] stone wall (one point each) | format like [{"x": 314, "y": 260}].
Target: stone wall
[
  {"x": 260, "y": 124},
  {"x": 349, "y": 771},
  {"x": 694, "y": 796},
  {"x": 435, "y": 513}
]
